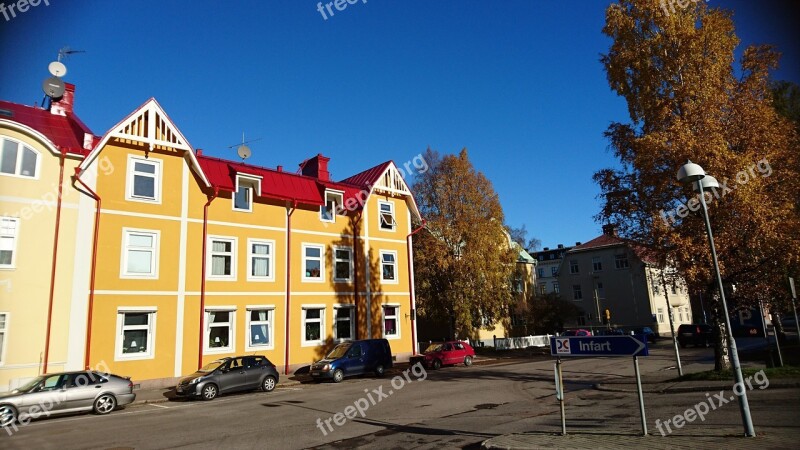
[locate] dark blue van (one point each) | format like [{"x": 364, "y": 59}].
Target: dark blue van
[{"x": 354, "y": 358}]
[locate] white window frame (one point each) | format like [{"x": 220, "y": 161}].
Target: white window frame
[
  {"x": 231, "y": 347},
  {"x": 151, "y": 328},
  {"x": 556, "y": 288},
  {"x": 4, "y": 333},
  {"x": 131, "y": 176},
  {"x": 154, "y": 258},
  {"x": 597, "y": 261},
  {"x": 337, "y": 260},
  {"x": 250, "y": 255},
  {"x": 321, "y": 278},
  {"x": 619, "y": 258},
  {"x": 251, "y": 182},
  {"x": 381, "y": 213},
  {"x": 339, "y": 201},
  {"x": 322, "y": 336},
  {"x": 14, "y": 241},
  {"x": 575, "y": 268},
  {"x": 543, "y": 288},
  {"x": 336, "y": 320},
  {"x": 21, "y": 146},
  {"x": 271, "y": 323},
  {"x": 396, "y": 316},
  {"x": 660, "y": 315},
  {"x": 210, "y": 258},
  {"x": 396, "y": 272},
  {"x": 579, "y": 290},
  {"x": 554, "y": 271}
]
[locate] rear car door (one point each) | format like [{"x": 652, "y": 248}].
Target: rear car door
[
  {"x": 82, "y": 389},
  {"x": 459, "y": 352},
  {"x": 255, "y": 368}
]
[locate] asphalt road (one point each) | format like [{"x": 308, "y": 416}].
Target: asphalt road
[{"x": 455, "y": 407}]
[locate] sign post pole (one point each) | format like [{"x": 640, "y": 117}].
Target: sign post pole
[
  {"x": 641, "y": 396},
  {"x": 560, "y": 396}
]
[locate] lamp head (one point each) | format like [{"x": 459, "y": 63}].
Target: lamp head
[
  {"x": 708, "y": 182},
  {"x": 690, "y": 172}
]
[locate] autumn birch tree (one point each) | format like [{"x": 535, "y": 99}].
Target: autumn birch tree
[
  {"x": 689, "y": 100},
  {"x": 462, "y": 262}
]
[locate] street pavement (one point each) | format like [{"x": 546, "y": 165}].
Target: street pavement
[{"x": 502, "y": 403}]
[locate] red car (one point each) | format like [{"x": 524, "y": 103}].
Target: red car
[{"x": 445, "y": 353}]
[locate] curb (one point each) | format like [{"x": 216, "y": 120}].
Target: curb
[{"x": 684, "y": 389}]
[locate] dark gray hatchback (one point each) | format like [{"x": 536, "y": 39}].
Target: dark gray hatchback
[{"x": 231, "y": 374}]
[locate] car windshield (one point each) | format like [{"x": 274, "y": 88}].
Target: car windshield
[
  {"x": 29, "y": 385},
  {"x": 433, "y": 348},
  {"x": 338, "y": 351},
  {"x": 212, "y": 366}
]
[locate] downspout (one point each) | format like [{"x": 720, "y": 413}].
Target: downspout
[
  {"x": 96, "y": 197},
  {"x": 288, "y": 280},
  {"x": 411, "y": 296},
  {"x": 355, "y": 272},
  {"x": 55, "y": 256},
  {"x": 203, "y": 278}
]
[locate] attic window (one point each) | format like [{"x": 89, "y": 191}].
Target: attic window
[
  {"x": 333, "y": 200},
  {"x": 246, "y": 189},
  {"x": 386, "y": 216},
  {"x": 7, "y": 113}
]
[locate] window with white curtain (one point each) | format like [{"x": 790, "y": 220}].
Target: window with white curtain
[
  {"x": 222, "y": 252},
  {"x": 136, "y": 333},
  {"x": 260, "y": 260},
  {"x": 259, "y": 328},
  {"x": 9, "y": 231},
  {"x": 219, "y": 326},
  {"x": 17, "y": 159},
  {"x": 390, "y": 322}
]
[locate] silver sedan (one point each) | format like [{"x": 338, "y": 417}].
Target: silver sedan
[{"x": 66, "y": 392}]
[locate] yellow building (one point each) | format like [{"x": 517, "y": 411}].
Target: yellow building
[
  {"x": 42, "y": 298},
  {"x": 197, "y": 258}
]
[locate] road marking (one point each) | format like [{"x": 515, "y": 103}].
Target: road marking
[{"x": 158, "y": 406}]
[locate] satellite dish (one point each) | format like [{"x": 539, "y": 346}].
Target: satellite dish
[
  {"x": 57, "y": 69},
  {"x": 243, "y": 151},
  {"x": 53, "y": 87}
]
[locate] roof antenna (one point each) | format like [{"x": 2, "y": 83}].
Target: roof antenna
[
  {"x": 242, "y": 149},
  {"x": 53, "y": 87}
]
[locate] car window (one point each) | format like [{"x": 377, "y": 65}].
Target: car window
[
  {"x": 355, "y": 351},
  {"x": 83, "y": 379},
  {"x": 249, "y": 361},
  {"x": 52, "y": 382},
  {"x": 448, "y": 347},
  {"x": 458, "y": 346}
]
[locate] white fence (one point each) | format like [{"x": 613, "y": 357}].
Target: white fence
[{"x": 515, "y": 342}]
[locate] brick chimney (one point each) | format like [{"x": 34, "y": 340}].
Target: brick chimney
[
  {"x": 610, "y": 229},
  {"x": 316, "y": 167},
  {"x": 66, "y": 103}
]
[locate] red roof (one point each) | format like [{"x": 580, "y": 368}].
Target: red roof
[
  {"x": 66, "y": 132},
  {"x": 274, "y": 184},
  {"x": 608, "y": 240},
  {"x": 368, "y": 177}
]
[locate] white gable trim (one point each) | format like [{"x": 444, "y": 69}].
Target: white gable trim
[
  {"x": 133, "y": 128},
  {"x": 392, "y": 182}
]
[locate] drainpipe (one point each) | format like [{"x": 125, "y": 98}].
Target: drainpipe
[
  {"x": 412, "y": 311},
  {"x": 96, "y": 197},
  {"x": 203, "y": 278},
  {"x": 288, "y": 280},
  {"x": 355, "y": 271},
  {"x": 55, "y": 255}
]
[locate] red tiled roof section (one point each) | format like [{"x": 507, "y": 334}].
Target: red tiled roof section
[
  {"x": 274, "y": 184},
  {"x": 66, "y": 132},
  {"x": 368, "y": 177},
  {"x": 607, "y": 240}
]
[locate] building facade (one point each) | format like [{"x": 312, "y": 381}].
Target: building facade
[
  {"x": 180, "y": 258},
  {"x": 39, "y": 238},
  {"x": 548, "y": 262},
  {"x": 615, "y": 283}
]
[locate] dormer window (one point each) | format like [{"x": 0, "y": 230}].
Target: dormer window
[
  {"x": 386, "y": 216},
  {"x": 246, "y": 188},
  {"x": 333, "y": 200}
]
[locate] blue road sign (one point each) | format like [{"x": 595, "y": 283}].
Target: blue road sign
[{"x": 633, "y": 345}]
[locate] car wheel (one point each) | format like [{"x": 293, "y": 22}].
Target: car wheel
[
  {"x": 468, "y": 361},
  {"x": 210, "y": 391},
  {"x": 437, "y": 364},
  {"x": 8, "y": 415},
  {"x": 105, "y": 404},
  {"x": 379, "y": 370},
  {"x": 268, "y": 384},
  {"x": 338, "y": 376}
]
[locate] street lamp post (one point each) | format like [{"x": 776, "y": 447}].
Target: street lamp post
[{"x": 691, "y": 173}]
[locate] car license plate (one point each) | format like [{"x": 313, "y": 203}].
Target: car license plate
[{"x": 315, "y": 374}]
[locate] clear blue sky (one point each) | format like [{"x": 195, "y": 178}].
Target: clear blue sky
[{"x": 516, "y": 82}]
